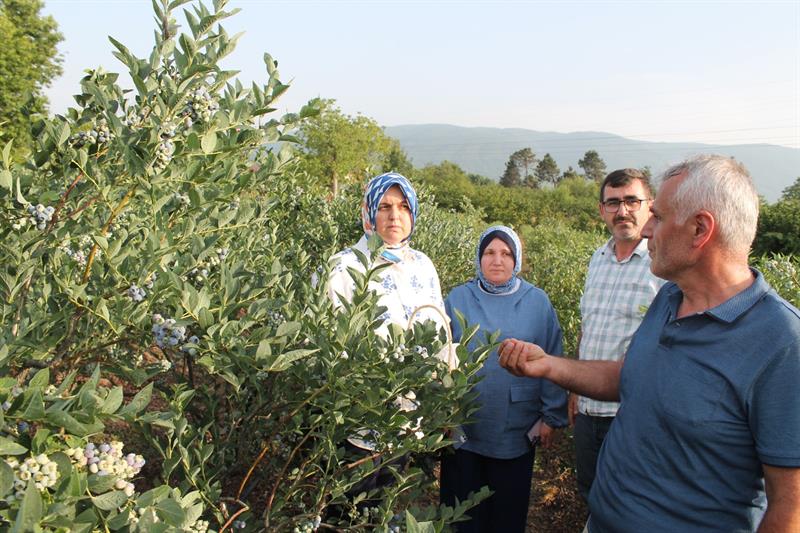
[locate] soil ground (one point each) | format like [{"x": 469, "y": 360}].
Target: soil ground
[{"x": 556, "y": 506}]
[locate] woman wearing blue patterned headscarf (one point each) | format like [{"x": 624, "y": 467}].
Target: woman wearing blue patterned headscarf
[
  {"x": 390, "y": 209},
  {"x": 375, "y": 193},
  {"x": 498, "y": 451}
]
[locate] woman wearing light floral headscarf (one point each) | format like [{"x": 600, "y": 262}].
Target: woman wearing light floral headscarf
[
  {"x": 390, "y": 209},
  {"x": 516, "y": 414}
]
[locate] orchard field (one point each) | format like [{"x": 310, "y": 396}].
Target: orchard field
[{"x": 169, "y": 358}]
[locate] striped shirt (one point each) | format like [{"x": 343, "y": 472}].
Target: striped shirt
[{"x": 615, "y": 299}]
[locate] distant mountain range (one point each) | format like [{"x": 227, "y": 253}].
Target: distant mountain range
[{"x": 485, "y": 151}]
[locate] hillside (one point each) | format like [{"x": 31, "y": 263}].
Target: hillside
[{"x": 485, "y": 151}]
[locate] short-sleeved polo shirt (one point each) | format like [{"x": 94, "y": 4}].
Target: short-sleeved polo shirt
[{"x": 706, "y": 400}]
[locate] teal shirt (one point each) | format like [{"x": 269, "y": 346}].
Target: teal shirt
[
  {"x": 510, "y": 405},
  {"x": 706, "y": 400}
]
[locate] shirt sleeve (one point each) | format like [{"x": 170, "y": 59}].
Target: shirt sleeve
[
  {"x": 774, "y": 411},
  {"x": 455, "y": 327},
  {"x": 554, "y": 398},
  {"x": 340, "y": 284}
]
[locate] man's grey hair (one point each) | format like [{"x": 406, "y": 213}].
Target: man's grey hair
[{"x": 722, "y": 186}]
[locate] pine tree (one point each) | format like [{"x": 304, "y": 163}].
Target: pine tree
[
  {"x": 547, "y": 170},
  {"x": 593, "y": 166}
]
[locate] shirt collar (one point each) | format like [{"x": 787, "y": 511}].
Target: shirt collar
[
  {"x": 640, "y": 250},
  {"x": 389, "y": 255},
  {"x": 731, "y": 309}
]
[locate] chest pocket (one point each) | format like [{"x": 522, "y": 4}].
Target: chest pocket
[
  {"x": 524, "y": 406},
  {"x": 692, "y": 392}
]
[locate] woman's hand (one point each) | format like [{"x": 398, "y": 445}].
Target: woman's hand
[{"x": 547, "y": 436}]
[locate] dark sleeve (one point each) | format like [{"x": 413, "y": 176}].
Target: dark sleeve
[
  {"x": 774, "y": 410},
  {"x": 455, "y": 327}
]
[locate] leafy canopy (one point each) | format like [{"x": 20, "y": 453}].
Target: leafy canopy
[
  {"x": 29, "y": 60},
  {"x": 593, "y": 166},
  {"x": 340, "y": 148}
]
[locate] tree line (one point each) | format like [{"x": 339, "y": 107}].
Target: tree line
[{"x": 336, "y": 148}]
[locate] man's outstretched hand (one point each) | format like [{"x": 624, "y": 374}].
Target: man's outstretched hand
[{"x": 523, "y": 358}]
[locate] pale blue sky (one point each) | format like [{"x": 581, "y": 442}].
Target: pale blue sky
[{"x": 716, "y": 72}]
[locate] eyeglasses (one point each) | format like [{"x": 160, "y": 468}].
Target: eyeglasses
[{"x": 631, "y": 204}]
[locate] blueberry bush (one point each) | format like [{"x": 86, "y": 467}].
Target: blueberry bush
[
  {"x": 170, "y": 359},
  {"x": 556, "y": 257}
]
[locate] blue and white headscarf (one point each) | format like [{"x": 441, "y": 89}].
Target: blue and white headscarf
[
  {"x": 376, "y": 188},
  {"x": 508, "y": 236}
]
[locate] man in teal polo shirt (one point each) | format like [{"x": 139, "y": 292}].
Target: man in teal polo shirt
[{"x": 707, "y": 437}]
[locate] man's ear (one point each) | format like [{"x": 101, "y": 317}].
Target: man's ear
[{"x": 704, "y": 226}]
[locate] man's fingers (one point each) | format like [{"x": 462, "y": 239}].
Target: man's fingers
[{"x": 506, "y": 353}]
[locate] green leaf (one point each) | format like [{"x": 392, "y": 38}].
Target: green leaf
[
  {"x": 170, "y": 512},
  {"x": 412, "y": 526},
  {"x": 287, "y": 328},
  {"x": 101, "y": 241},
  {"x": 263, "y": 350},
  {"x": 7, "y": 154},
  {"x": 59, "y": 418},
  {"x": 39, "y": 442},
  {"x": 110, "y": 500},
  {"x": 139, "y": 402},
  {"x": 21, "y": 199},
  {"x": 119, "y": 521},
  {"x": 35, "y": 409},
  {"x": 6, "y": 478},
  {"x": 193, "y": 513},
  {"x": 41, "y": 379},
  {"x": 63, "y": 134},
  {"x": 9, "y": 447},
  {"x": 83, "y": 157},
  {"x": 6, "y": 181},
  {"x": 284, "y": 360},
  {"x": 30, "y": 512},
  {"x": 152, "y": 496},
  {"x": 113, "y": 401},
  {"x": 447, "y": 381},
  {"x": 209, "y": 142},
  {"x": 205, "y": 317},
  {"x": 76, "y": 484},
  {"x": 63, "y": 462},
  {"x": 100, "y": 484},
  {"x": 124, "y": 54}
]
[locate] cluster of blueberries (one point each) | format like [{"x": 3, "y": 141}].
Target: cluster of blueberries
[
  {"x": 199, "y": 274},
  {"x": 98, "y": 135},
  {"x": 308, "y": 526},
  {"x": 81, "y": 251},
  {"x": 136, "y": 293},
  {"x": 200, "y": 107},
  {"x": 39, "y": 471},
  {"x": 38, "y": 215},
  {"x": 164, "y": 152},
  {"x": 169, "y": 335},
  {"x": 107, "y": 459},
  {"x": 181, "y": 199}
]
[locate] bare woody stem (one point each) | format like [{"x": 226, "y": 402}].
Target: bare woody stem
[
  {"x": 281, "y": 422},
  {"x": 117, "y": 210},
  {"x": 278, "y": 481}
]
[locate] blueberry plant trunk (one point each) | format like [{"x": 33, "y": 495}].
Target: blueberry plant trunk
[{"x": 166, "y": 363}]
